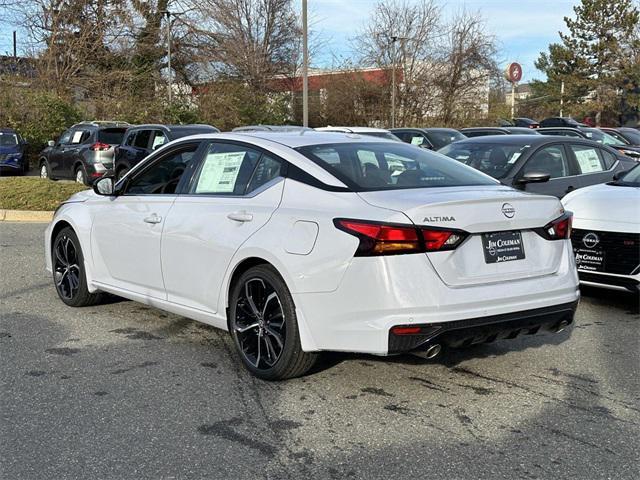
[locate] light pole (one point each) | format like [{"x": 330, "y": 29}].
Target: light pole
[
  {"x": 561, "y": 97},
  {"x": 393, "y": 39},
  {"x": 305, "y": 67},
  {"x": 168, "y": 14}
]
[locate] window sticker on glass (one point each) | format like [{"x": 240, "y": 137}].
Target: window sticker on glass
[
  {"x": 158, "y": 140},
  {"x": 417, "y": 140},
  {"x": 76, "y": 136},
  {"x": 219, "y": 172},
  {"x": 588, "y": 160}
]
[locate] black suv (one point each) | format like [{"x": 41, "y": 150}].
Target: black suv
[
  {"x": 141, "y": 140},
  {"x": 561, "y": 122},
  {"x": 83, "y": 153}
]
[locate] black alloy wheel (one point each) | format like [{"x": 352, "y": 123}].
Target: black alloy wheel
[
  {"x": 263, "y": 323},
  {"x": 68, "y": 270}
]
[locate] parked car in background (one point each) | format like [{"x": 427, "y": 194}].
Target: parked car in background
[
  {"x": 432, "y": 138},
  {"x": 625, "y": 134},
  {"x": 561, "y": 122},
  {"x": 141, "y": 140},
  {"x": 366, "y": 131},
  {"x": 521, "y": 131},
  {"x": 13, "y": 158},
  {"x": 597, "y": 135},
  {"x": 472, "y": 132},
  {"x": 539, "y": 163},
  {"x": 525, "y": 122},
  {"x": 298, "y": 244},
  {"x": 271, "y": 128},
  {"x": 606, "y": 232},
  {"x": 83, "y": 153}
]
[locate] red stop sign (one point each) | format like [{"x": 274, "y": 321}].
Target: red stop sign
[{"x": 514, "y": 72}]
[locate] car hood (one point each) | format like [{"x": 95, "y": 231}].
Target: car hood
[{"x": 605, "y": 206}]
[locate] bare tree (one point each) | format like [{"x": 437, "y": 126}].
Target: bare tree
[
  {"x": 466, "y": 67},
  {"x": 404, "y": 34}
]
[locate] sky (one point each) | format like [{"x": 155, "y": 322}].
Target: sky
[{"x": 523, "y": 28}]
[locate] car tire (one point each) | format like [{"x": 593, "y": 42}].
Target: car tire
[
  {"x": 121, "y": 173},
  {"x": 264, "y": 326},
  {"x": 69, "y": 275},
  {"x": 80, "y": 175}
]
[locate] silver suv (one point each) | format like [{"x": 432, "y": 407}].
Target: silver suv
[{"x": 83, "y": 153}]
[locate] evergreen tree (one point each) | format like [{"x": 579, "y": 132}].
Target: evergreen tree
[{"x": 596, "y": 59}]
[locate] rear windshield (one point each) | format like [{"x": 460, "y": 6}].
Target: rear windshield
[
  {"x": 112, "y": 136},
  {"x": 442, "y": 138},
  {"x": 490, "y": 158},
  {"x": 391, "y": 166}
]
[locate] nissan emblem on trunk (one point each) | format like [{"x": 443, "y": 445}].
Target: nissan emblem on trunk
[
  {"x": 508, "y": 210},
  {"x": 590, "y": 240}
]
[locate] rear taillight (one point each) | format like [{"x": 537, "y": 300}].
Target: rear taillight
[
  {"x": 559, "y": 229},
  {"x": 390, "y": 239},
  {"x": 99, "y": 147}
]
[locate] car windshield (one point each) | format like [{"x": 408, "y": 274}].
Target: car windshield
[
  {"x": 631, "y": 179},
  {"x": 601, "y": 137},
  {"x": 387, "y": 135},
  {"x": 441, "y": 138},
  {"x": 391, "y": 166},
  {"x": 495, "y": 159},
  {"x": 111, "y": 136},
  {"x": 8, "y": 139}
]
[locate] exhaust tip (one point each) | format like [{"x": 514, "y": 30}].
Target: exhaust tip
[
  {"x": 433, "y": 351},
  {"x": 561, "y": 326}
]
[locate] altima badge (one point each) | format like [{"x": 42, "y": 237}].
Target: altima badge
[
  {"x": 508, "y": 210},
  {"x": 590, "y": 240}
]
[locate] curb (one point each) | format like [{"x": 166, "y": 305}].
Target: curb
[{"x": 25, "y": 216}]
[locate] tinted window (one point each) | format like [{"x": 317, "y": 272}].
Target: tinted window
[
  {"x": 130, "y": 138},
  {"x": 440, "y": 139},
  {"x": 112, "y": 136},
  {"x": 79, "y": 136},
  {"x": 551, "y": 160},
  {"x": 142, "y": 139},
  {"x": 227, "y": 170},
  {"x": 608, "y": 158},
  {"x": 163, "y": 176},
  {"x": 493, "y": 159},
  {"x": 391, "y": 166},
  {"x": 632, "y": 178},
  {"x": 588, "y": 158},
  {"x": 268, "y": 168},
  {"x": 633, "y": 136},
  {"x": 65, "y": 138},
  {"x": 8, "y": 139}
]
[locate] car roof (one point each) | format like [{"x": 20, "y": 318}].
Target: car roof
[
  {"x": 352, "y": 129},
  {"x": 271, "y": 128},
  {"x": 302, "y": 138},
  {"x": 469, "y": 129},
  {"x": 7, "y": 130},
  {"x": 176, "y": 128}
]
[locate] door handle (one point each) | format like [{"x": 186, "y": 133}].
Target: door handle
[
  {"x": 240, "y": 216},
  {"x": 153, "y": 218}
]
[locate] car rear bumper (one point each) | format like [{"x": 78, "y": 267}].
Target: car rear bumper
[
  {"x": 462, "y": 333},
  {"x": 378, "y": 293},
  {"x": 614, "y": 282}
]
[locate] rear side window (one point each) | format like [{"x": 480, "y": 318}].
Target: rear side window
[
  {"x": 130, "y": 138},
  {"x": 608, "y": 158},
  {"x": 391, "y": 166},
  {"x": 588, "y": 158},
  {"x": 80, "y": 136},
  {"x": 441, "y": 139},
  {"x": 268, "y": 168},
  {"x": 159, "y": 138},
  {"x": 111, "y": 136}
]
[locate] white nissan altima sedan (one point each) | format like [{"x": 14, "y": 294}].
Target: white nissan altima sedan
[{"x": 302, "y": 242}]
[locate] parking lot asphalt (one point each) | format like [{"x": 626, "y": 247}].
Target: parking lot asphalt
[{"x": 124, "y": 391}]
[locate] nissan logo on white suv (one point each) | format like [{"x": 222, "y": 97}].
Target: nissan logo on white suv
[
  {"x": 508, "y": 210},
  {"x": 590, "y": 240}
]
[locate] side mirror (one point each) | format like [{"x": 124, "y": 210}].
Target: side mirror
[
  {"x": 51, "y": 143},
  {"x": 534, "y": 177},
  {"x": 619, "y": 175},
  {"x": 104, "y": 186}
]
